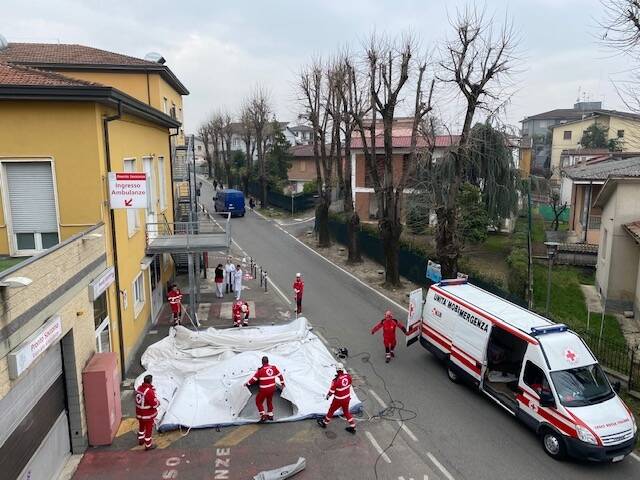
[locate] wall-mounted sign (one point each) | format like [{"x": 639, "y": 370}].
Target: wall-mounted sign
[
  {"x": 128, "y": 190},
  {"x": 100, "y": 284},
  {"x": 27, "y": 352}
]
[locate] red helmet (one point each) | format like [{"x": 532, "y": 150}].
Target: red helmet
[{"x": 388, "y": 314}]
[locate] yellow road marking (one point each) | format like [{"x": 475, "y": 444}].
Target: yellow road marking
[
  {"x": 301, "y": 436},
  {"x": 237, "y": 436},
  {"x": 127, "y": 425},
  {"x": 166, "y": 439}
]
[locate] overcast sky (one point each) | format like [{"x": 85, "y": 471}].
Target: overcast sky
[{"x": 221, "y": 49}]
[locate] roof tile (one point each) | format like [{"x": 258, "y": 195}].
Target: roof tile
[
  {"x": 627, "y": 167},
  {"x": 13, "y": 75}
]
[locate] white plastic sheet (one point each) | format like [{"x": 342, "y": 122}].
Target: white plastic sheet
[{"x": 200, "y": 376}]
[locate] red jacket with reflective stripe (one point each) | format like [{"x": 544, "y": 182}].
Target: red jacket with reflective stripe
[
  {"x": 146, "y": 402},
  {"x": 341, "y": 387},
  {"x": 266, "y": 376},
  {"x": 388, "y": 326},
  {"x": 174, "y": 297},
  {"x": 298, "y": 288}
]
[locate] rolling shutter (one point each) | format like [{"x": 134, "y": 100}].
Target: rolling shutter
[{"x": 31, "y": 197}]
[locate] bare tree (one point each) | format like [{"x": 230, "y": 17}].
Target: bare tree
[
  {"x": 226, "y": 131},
  {"x": 248, "y": 139},
  {"x": 206, "y": 134},
  {"x": 390, "y": 65},
  {"x": 258, "y": 112},
  {"x": 477, "y": 61},
  {"x": 558, "y": 209},
  {"x": 317, "y": 94}
]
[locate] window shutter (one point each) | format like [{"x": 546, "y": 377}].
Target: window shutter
[{"x": 31, "y": 197}]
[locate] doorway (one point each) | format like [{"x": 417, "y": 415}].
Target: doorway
[{"x": 505, "y": 354}]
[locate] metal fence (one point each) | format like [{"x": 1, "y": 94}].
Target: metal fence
[
  {"x": 619, "y": 357},
  {"x": 298, "y": 202}
]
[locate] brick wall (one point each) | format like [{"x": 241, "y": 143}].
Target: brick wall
[{"x": 60, "y": 279}]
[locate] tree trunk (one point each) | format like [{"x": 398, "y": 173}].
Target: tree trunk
[
  {"x": 209, "y": 167},
  {"x": 322, "y": 218},
  {"x": 263, "y": 191},
  {"x": 447, "y": 248},
  {"x": 353, "y": 226},
  {"x": 390, "y": 231}
]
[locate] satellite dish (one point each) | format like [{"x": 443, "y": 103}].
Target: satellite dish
[
  {"x": 3, "y": 42},
  {"x": 155, "y": 57}
]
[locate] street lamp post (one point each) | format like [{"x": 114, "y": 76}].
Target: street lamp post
[{"x": 552, "y": 248}]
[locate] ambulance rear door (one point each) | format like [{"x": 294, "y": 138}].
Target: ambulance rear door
[{"x": 414, "y": 318}]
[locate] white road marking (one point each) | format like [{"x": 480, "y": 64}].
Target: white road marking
[
  {"x": 444, "y": 471},
  {"x": 297, "y": 222},
  {"x": 402, "y": 425},
  {"x": 286, "y": 299},
  {"x": 635, "y": 456},
  {"x": 377, "y": 446},
  {"x": 319, "y": 335}
]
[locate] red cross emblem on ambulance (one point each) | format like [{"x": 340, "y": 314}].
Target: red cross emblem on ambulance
[
  {"x": 570, "y": 355},
  {"x": 412, "y": 309}
]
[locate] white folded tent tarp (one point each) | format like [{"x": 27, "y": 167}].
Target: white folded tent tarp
[{"x": 200, "y": 376}]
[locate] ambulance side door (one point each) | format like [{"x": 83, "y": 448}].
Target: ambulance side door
[{"x": 533, "y": 384}]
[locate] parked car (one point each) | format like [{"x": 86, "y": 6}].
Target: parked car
[{"x": 230, "y": 201}]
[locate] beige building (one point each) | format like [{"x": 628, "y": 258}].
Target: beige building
[
  {"x": 53, "y": 318},
  {"x": 618, "y": 266},
  {"x": 621, "y": 126}
]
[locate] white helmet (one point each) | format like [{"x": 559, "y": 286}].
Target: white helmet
[
  {"x": 298, "y": 275},
  {"x": 244, "y": 307},
  {"x": 339, "y": 367}
]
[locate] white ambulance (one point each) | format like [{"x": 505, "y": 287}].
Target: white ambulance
[{"x": 539, "y": 371}]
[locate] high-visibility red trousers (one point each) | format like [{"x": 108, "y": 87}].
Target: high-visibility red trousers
[
  {"x": 337, "y": 404},
  {"x": 145, "y": 431},
  {"x": 299, "y": 304},
  {"x": 389, "y": 346},
  {"x": 265, "y": 394}
]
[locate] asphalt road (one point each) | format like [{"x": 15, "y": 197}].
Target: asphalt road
[{"x": 469, "y": 435}]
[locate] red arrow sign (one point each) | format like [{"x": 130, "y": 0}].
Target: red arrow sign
[{"x": 127, "y": 203}]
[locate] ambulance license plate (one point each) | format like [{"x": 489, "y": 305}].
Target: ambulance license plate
[{"x": 617, "y": 459}]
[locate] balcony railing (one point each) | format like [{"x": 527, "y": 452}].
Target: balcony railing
[
  {"x": 594, "y": 222},
  {"x": 186, "y": 237}
]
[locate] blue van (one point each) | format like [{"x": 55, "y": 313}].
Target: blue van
[{"x": 230, "y": 201}]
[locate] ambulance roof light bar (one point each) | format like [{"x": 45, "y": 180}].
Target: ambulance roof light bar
[
  {"x": 557, "y": 328},
  {"x": 453, "y": 281}
]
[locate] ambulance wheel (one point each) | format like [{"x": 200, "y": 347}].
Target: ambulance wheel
[
  {"x": 453, "y": 376},
  {"x": 553, "y": 444}
]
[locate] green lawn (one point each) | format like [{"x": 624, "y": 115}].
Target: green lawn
[
  {"x": 567, "y": 301},
  {"x": 8, "y": 262}
]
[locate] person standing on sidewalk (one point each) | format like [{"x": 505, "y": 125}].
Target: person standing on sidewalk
[
  {"x": 237, "y": 281},
  {"x": 341, "y": 391},
  {"x": 215, "y": 185},
  {"x": 146, "y": 411},
  {"x": 219, "y": 280},
  {"x": 229, "y": 269},
  {"x": 298, "y": 290},
  {"x": 174, "y": 297},
  {"x": 252, "y": 203},
  {"x": 388, "y": 325},
  {"x": 266, "y": 376}
]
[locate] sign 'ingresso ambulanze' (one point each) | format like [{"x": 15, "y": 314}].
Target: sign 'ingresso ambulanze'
[{"x": 128, "y": 190}]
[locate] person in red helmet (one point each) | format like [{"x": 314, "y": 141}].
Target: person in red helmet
[
  {"x": 341, "y": 391},
  {"x": 266, "y": 377},
  {"x": 388, "y": 325},
  {"x": 298, "y": 290}
]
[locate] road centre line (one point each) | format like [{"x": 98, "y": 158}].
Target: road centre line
[
  {"x": 399, "y": 422},
  {"x": 440, "y": 467},
  {"x": 377, "y": 446}
]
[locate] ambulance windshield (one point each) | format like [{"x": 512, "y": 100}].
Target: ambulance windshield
[{"x": 579, "y": 387}]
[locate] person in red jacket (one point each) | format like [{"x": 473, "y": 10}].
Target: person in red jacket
[
  {"x": 388, "y": 325},
  {"x": 266, "y": 376},
  {"x": 341, "y": 391},
  {"x": 175, "y": 302},
  {"x": 240, "y": 313},
  {"x": 146, "y": 411},
  {"x": 298, "y": 290}
]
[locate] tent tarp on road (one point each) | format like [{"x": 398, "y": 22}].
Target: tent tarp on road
[{"x": 200, "y": 376}]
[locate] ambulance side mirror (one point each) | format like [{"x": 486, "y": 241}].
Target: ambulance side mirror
[{"x": 547, "y": 400}]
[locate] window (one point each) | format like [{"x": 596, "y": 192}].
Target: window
[
  {"x": 535, "y": 378},
  {"x": 236, "y": 142},
  {"x": 165, "y": 106},
  {"x": 173, "y": 111},
  {"x": 605, "y": 240},
  {"x": 199, "y": 148},
  {"x": 567, "y": 135},
  {"x": 31, "y": 201},
  {"x": 101, "y": 323},
  {"x": 368, "y": 181},
  {"x": 620, "y": 133},
  {"x": 133, "y": 220},
  {"x": 162, "y": 184},
  {"x": 138, "y": 293},
  {"x": 303, "y": 165}
]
